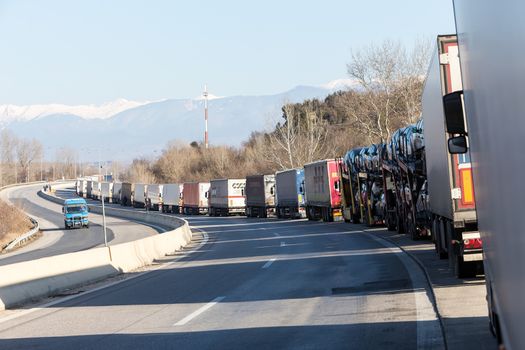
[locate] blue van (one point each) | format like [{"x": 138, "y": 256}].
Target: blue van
[{"x": 75, "y": 213}]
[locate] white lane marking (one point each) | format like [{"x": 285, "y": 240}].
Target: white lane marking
[
  {"x": 268, "y": 263},
  {"x": 276, "y": 234},
  {"x": 199, "y": 311},
  {"x": 283, "y": 244}
]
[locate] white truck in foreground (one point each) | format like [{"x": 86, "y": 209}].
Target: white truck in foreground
[
  {"x": 452, "y": 205},
  {"x": 492, "y": 52}
]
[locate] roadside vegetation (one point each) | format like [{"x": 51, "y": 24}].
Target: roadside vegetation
[
  {"x": 13, "y": 222},
  {"x": 386, "y": 95}
]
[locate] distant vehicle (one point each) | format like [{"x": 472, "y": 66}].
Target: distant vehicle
[
  {"x": 75, "y": 213},
  {"x": 106, "y": 191},
  {"x": 154, "y": 196},
  {"x": 323, "y": 190},
  {"x": 95, "y": 190},
  {"x": 260, "y": 195},
  {"x": 89, "y": 189},
  {"x": 81, "y": 187},
  {"x": 171, "y": 196},
  {"x": 195, "y": 197},
  {"x": 115, "y": 193},
  {"x": 126, "y": 194},
  {"x": 140, "y": 195},
  {"x": 227, "y": 197},
  {"x": 450, "y": 186},
  {"x": 289, "y": 194}
]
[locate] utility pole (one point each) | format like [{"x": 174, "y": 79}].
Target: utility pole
[{"x": 205, "y": 116}]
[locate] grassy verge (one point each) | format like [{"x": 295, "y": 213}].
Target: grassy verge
[{"x": 13, "y": 222}]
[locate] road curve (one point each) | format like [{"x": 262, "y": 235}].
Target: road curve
[
  {"x": 255, "y": 284},
  {"x": 55, "y": 239}
]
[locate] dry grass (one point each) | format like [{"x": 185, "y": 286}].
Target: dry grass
[{"x": 13, "y": 222}]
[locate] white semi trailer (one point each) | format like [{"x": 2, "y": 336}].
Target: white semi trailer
[
  {"x": 492, "y": 51},
  {"x": 454, "y": 224}
]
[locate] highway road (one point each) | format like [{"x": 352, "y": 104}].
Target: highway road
[
  {"x": 254, "y": 284},
  {"x": 55, "y": 239}
]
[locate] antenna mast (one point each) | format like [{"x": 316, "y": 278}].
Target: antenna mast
[{"x": 205, "y": 116}]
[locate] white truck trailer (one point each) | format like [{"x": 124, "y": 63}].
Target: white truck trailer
[
  {"x": 117, "y": 188},
  {"x": 154, "y": 196},
  {"x": 171, "y": 196},
  {"x": 140, "y": 195},
  {"x": 490, "y": 35},
  {"x": 227, "y": 197},
  {"x": 454, "y": 224},
  {"x": 106, "y": 191}
]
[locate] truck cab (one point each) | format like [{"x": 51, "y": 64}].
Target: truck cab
[{"x": 75, "y": 213}]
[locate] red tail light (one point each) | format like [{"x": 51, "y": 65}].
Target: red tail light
[{"x": 474, "y": 243}]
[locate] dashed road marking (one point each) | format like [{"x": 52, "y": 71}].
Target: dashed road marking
[
  {"x": 199, "y": 311},
  {"x": 268, "y": 263}
]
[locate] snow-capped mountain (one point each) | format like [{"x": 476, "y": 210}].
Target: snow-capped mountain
[
  {"x": 13, "y": 112},
  {"x": 122, "y": 129}
]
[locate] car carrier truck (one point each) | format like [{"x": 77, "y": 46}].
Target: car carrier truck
[
  {"x": 491, "y": 52},
  {"x": 450, "y": 188}
]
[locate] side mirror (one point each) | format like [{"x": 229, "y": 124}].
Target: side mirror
[
  {"x": 242, "y": 192},
  {"x": 454, "y": 117},
  {"x": 457, "y": 145},
  {"x": 272, "y": 191},
  {"x": 337, "y": 185},
  {"x": 206, "y": 194},
  {"x": 301, "y": 190}
]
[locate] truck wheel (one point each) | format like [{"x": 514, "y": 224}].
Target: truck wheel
[
  {"x": 464, "y": 269},
  {"x": 390, "y": 223},
  {"x": 87, "y": 225}
]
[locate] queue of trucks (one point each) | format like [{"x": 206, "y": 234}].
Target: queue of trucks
[
  {"x": 422, "y": 181},
  {"x": 411, "y": 183}
]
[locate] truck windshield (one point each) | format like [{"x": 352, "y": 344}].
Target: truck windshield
[{"x": 75, "y": 209}]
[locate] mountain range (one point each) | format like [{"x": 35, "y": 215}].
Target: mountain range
[{"x": 123, "y": 130}]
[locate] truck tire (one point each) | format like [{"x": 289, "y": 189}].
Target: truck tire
[{"x": 464, "y": 269}]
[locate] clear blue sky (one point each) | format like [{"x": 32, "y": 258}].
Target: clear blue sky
[{"x": 94, "y": 51}]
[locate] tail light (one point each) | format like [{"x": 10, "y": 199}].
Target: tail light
[{"x": 474, "y": 243}]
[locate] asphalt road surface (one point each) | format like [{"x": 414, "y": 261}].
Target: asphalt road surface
[
  {"x": 56, "y": 240},
  {"x": 255, "y": 284}
]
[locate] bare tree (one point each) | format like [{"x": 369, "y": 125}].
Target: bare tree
[
  {"x": 65, "y": 163},
  {"x": 7, "y": 146},
  {"x": 390, "y": 85},
  {"x": 299, "y": 140},
  {"x": 27, "y": 151}
]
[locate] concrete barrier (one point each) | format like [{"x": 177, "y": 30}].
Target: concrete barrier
[{"x": 29, "y": 280}]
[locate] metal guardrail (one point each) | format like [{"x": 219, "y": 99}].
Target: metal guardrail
[{"x": 24, "y": 237}]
